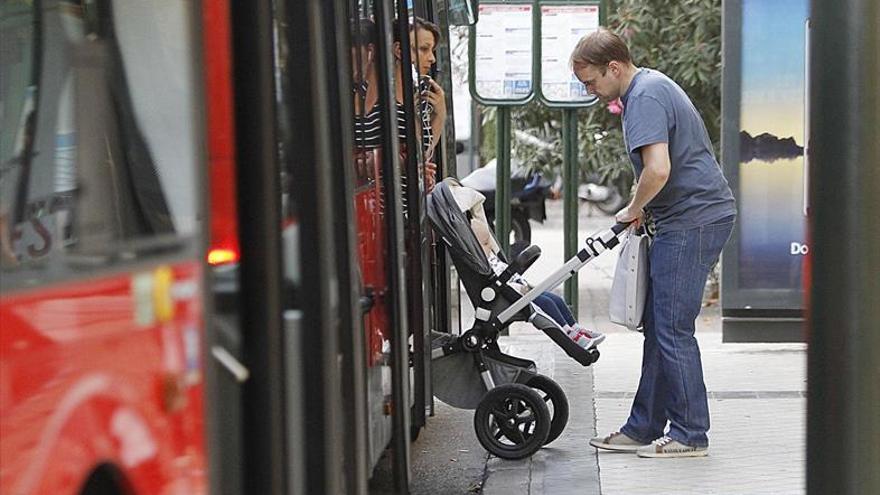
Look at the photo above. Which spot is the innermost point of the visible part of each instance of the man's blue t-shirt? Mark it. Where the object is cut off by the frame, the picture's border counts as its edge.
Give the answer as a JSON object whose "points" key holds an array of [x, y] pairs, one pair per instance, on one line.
{"points": [[657, 110]]}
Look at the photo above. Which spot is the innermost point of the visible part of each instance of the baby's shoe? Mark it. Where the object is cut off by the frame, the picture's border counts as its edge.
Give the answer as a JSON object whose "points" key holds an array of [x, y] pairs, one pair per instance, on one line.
{"points": [[583, 339], [595, 337]]}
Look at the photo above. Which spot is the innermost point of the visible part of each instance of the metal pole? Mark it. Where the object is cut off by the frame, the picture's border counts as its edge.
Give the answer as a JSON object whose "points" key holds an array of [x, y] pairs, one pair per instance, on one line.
{"points": [[502, 179], [843, 425], [351, 330], [259, 220], [473, 146], [400, 382], [570, 200]]}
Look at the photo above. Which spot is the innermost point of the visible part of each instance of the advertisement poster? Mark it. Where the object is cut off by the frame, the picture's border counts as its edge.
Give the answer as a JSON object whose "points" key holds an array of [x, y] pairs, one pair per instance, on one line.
{"points": [[772, 225], [561, 28], [503, 58]]}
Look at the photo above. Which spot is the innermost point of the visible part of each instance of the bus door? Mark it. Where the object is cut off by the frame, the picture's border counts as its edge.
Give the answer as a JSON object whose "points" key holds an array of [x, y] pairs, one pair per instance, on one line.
{"points": [[304, 403], [417, 141], [101, 237], [371, 233], [378, 157], [434, 266]]}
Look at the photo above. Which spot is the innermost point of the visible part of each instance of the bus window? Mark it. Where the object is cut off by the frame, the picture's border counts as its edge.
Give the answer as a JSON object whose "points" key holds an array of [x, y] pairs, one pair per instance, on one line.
{"points": [[17, 99], [462, 12], [99, 154]]}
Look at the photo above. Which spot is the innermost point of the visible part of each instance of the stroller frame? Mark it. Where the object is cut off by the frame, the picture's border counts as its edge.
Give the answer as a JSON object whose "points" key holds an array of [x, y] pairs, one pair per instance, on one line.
{"points": [[507, 382]]}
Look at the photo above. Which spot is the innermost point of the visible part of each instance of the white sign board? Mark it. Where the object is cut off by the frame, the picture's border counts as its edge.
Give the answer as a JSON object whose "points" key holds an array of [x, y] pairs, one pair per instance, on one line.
{"points": [[562, 26], [503, 55]]}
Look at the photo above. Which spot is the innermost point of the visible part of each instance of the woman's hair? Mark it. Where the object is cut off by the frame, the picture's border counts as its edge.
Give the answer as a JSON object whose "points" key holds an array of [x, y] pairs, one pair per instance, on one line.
{"points": [[419, 23], [599, 48], [365, 34]]}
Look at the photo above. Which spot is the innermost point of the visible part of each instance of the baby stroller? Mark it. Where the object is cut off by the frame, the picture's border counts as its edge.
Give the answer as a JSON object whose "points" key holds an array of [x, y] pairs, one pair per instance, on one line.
{"points": [[513, 402]]}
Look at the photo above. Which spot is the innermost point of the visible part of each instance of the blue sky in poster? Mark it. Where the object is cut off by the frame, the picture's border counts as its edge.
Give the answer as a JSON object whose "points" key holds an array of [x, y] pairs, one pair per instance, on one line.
{"points": [[773, 67]]}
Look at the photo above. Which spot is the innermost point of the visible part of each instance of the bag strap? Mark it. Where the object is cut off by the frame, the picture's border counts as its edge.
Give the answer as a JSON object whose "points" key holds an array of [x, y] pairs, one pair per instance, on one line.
{"points": [[632, 286]]}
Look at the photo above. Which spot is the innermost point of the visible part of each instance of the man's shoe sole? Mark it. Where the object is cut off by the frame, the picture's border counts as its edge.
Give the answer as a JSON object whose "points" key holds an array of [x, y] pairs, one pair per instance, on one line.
{"points": [[616, 448], [689, 453]]}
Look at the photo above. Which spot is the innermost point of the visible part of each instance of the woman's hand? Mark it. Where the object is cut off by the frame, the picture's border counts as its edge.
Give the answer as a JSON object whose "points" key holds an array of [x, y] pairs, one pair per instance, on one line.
{"points": [[430, 176]]}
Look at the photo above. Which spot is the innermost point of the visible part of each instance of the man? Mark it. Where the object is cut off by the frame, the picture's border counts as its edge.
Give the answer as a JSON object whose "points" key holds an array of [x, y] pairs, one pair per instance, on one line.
{"points": [[681, 184]]}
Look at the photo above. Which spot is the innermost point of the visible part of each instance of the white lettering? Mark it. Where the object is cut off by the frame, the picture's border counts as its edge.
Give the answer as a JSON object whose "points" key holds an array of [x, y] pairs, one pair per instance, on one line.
{"points": [[799, 249]]}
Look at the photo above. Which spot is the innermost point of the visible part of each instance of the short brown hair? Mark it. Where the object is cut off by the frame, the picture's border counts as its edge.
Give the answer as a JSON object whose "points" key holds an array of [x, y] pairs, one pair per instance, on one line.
{"points": [[599, 48]]}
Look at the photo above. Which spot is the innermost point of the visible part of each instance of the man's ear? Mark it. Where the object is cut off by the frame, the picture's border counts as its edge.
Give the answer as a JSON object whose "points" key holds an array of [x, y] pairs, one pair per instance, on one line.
{"points": [[615, 67], [395, 48]]}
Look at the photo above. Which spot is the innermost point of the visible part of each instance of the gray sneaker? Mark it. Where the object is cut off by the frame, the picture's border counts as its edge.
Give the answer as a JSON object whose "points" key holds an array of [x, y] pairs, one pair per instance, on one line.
{"points": [[616, 441], [667, 447]]}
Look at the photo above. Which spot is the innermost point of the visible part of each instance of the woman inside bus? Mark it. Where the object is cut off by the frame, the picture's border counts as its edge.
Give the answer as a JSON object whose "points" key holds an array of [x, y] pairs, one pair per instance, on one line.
{"points": [[432, 107], [423, 39], [424, 36]]}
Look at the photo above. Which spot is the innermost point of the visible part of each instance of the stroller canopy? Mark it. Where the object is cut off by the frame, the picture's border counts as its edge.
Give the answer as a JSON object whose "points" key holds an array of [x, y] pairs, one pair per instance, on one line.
{"points": [[453, 225]]}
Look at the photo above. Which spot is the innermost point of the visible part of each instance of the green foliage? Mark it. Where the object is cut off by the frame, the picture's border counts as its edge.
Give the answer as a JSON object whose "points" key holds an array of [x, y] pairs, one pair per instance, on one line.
{"points": [[681, 38]]}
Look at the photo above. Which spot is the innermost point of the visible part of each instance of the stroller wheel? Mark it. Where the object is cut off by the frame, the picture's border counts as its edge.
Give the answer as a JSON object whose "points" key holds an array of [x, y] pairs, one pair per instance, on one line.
{"points": [[512, 421], [556, 401]]}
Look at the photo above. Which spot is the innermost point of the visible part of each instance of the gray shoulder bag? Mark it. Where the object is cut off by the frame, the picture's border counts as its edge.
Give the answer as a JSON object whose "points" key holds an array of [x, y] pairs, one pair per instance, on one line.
{"points": [[630, 287]]}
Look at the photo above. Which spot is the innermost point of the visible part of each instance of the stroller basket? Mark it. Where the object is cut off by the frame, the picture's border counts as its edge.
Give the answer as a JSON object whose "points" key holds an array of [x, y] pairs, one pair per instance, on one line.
{"points": [[456, 386]]}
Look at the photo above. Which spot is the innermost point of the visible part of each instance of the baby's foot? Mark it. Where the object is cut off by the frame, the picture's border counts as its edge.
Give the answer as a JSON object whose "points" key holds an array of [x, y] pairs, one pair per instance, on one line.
{"points": [[592, 338]]}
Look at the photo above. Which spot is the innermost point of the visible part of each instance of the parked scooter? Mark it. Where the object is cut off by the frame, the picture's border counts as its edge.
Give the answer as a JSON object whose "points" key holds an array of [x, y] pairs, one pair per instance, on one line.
{"points": [[528, 194], [609, 198]]}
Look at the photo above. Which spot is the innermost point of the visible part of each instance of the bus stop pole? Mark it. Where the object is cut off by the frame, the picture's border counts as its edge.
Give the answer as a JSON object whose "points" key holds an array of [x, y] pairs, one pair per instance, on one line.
{"points": [[502, 178], [570, 199], [843, 364]]}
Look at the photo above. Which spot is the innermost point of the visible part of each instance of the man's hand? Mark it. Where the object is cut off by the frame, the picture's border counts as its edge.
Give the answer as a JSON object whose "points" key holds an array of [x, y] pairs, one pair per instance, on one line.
{"points": [[630, 214]]}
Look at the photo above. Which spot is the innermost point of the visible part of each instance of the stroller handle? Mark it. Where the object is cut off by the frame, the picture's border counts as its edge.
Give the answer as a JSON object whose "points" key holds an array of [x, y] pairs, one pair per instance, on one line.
{"points": [[619, 227]]}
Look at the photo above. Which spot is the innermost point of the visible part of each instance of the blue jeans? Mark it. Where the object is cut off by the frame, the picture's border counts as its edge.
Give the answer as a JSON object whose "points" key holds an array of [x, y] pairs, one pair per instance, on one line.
{"points": [[555, 308], [671, 387]]}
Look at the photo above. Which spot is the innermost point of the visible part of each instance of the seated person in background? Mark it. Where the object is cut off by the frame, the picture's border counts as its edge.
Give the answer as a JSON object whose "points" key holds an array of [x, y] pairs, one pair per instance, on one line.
{"points": [[551, 304]]}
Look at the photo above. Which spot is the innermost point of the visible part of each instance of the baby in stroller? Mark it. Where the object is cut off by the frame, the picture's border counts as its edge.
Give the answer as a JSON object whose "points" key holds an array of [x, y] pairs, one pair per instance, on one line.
{"points": [[548, 302], [517, 409]]}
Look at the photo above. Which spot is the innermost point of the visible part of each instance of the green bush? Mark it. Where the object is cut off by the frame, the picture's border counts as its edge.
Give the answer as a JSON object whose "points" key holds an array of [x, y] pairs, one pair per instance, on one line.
{"points": [[681, 38]]}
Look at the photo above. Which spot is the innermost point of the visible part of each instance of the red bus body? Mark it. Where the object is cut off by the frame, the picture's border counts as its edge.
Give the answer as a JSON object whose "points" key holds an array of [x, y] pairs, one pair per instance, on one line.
{"points": [[83, 383], [371, 245]]}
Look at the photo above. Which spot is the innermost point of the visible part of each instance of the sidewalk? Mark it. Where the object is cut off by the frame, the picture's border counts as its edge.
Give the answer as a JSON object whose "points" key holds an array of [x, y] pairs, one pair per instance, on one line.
{"points": [[757, 403]]}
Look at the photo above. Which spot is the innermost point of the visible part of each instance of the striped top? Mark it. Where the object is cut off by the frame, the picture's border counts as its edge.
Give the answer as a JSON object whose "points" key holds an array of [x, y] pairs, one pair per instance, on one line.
{"points": [[368, 134], [368, 128]]}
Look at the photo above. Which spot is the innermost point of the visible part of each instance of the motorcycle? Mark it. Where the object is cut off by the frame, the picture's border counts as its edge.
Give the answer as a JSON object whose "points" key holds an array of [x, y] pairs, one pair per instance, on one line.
{"points": [[528, 194]]}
